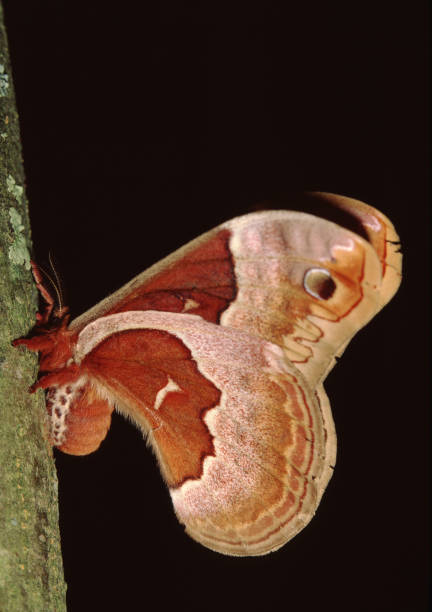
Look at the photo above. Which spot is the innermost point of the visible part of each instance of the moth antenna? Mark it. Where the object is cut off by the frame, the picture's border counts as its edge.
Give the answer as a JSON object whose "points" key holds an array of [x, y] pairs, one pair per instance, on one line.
{"points": [[53, 284], [56, 284]]}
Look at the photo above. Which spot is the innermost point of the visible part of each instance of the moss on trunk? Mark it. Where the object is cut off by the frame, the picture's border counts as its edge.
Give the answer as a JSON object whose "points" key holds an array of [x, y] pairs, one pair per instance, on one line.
{"points": [[31, 568]]}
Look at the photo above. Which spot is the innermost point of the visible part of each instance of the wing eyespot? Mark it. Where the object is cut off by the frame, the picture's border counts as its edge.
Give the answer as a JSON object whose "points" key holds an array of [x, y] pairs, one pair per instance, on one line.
{"points": [[319, 283]]}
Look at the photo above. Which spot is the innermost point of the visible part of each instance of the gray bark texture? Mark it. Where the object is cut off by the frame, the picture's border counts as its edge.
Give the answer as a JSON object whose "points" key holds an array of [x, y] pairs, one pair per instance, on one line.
{"points": [[31, 568]]}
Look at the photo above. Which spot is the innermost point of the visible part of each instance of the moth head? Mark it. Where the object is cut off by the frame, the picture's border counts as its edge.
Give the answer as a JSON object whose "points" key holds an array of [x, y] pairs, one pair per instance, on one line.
{"points": [[57, 349], [52, 338]]}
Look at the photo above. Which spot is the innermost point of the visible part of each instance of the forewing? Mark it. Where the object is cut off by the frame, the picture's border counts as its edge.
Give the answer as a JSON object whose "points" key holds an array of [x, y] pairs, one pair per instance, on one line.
{"points": [[297, 280], [196, 279], [308, 285]]}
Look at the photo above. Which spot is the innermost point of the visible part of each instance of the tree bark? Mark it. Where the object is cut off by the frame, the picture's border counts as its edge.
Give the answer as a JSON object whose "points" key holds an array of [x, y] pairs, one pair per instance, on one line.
{"points": [[31, 568]]}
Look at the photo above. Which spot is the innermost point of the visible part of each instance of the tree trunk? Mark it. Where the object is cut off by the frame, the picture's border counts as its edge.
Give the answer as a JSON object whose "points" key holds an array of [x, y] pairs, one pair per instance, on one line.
{"points": [[31, 568]]}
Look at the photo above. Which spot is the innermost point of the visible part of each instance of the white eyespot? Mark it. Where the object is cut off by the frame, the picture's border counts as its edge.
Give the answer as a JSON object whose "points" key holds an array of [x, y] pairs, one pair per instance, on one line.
{"points": [[319, 283]]}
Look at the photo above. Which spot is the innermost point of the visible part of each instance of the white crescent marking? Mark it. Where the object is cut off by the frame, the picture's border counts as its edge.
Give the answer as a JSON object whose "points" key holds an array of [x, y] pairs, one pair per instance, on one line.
{"points": [[162, 393]]}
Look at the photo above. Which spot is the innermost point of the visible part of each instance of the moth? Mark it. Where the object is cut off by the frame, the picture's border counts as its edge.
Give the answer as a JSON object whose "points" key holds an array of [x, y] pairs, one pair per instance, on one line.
{"points": [[218, 354]]}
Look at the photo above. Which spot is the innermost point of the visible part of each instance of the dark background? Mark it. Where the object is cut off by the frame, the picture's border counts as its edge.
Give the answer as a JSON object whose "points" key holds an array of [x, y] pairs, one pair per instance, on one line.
{"points": [[141, 129]]}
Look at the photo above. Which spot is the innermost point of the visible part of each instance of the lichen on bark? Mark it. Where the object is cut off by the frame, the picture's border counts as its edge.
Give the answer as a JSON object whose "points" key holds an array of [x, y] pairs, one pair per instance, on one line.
{"points": [[31, 569]]}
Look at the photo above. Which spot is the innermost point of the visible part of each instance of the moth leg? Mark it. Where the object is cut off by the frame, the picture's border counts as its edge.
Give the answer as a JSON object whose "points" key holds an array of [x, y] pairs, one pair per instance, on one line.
{"points": [[61, 377]]}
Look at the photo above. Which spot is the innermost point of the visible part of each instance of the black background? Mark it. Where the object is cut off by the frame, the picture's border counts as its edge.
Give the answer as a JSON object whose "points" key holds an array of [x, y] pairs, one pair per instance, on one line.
{"points": [[141, 129]]}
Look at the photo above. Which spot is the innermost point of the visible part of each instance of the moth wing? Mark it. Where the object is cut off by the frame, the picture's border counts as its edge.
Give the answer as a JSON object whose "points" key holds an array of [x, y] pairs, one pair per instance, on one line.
{"points": [[196, 279], [241, 439], [297, 280], [307, 284]]}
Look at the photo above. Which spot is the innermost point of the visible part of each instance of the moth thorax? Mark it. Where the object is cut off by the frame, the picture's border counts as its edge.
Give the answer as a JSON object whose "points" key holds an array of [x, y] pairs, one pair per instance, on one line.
{"points": [[59, 400]]}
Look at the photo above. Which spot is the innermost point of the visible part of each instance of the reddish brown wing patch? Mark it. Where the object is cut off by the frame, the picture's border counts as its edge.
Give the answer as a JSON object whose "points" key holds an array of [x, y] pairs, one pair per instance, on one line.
{"points": [[201, 283], [155, 381]]}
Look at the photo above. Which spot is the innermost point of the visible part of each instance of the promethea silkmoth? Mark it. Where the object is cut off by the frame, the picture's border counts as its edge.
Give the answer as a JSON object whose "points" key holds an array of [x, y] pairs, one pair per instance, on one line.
{"points": [[218, 353]]}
